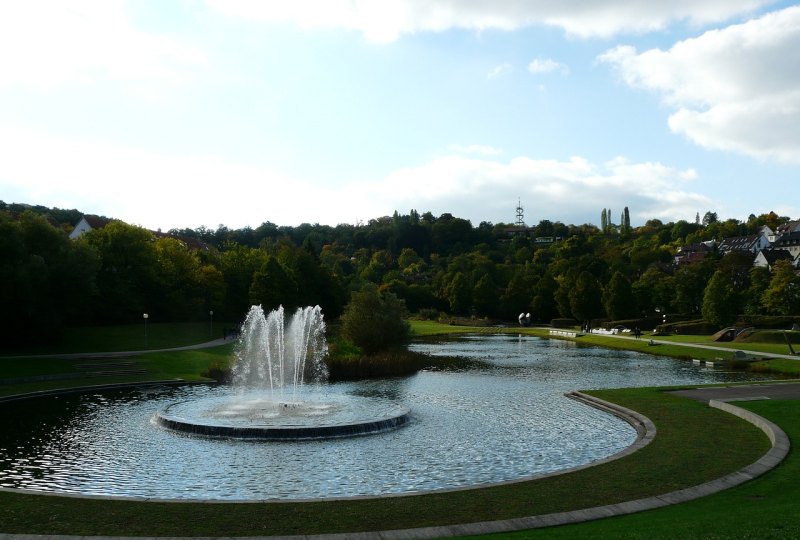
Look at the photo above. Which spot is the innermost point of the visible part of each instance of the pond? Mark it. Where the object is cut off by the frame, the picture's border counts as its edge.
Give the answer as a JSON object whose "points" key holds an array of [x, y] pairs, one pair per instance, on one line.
{"points": [[501, 417]]}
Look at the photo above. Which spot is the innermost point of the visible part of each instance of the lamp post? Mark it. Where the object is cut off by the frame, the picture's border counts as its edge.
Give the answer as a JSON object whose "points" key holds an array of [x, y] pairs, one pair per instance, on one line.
{"points": [[145, 316], [211, 323]]}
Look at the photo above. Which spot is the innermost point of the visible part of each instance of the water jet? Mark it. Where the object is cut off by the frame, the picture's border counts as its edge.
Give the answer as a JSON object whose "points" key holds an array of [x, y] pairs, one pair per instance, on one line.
{"points": [[278, 391]]}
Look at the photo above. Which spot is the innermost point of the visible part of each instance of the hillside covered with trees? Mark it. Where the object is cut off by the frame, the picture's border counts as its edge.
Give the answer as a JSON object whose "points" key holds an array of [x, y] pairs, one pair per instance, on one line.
{"points": [[439, 265]]}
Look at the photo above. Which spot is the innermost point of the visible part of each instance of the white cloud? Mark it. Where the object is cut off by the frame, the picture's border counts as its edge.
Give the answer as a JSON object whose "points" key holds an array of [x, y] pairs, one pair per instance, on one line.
{"points": [[572, 191], [499, 70], [386, 20], [44, 43], [163, 191], [153, 189], [547, 65], [736, 89]]}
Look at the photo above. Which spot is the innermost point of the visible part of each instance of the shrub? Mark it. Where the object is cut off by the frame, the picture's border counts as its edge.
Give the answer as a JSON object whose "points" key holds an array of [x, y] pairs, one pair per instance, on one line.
{"points": [[217, 372], [375, 322], [428, 314], [643, 323], [769, 321], [695, 327], [394, 363], [563, 323]]}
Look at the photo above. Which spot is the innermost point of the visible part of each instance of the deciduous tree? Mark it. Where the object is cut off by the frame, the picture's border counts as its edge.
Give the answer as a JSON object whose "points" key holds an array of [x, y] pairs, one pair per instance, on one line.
{"points": [[374, 321]]}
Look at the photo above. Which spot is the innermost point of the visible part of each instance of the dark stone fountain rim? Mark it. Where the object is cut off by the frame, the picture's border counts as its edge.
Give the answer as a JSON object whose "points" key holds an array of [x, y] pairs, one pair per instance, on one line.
{"points": [[285, 433]]}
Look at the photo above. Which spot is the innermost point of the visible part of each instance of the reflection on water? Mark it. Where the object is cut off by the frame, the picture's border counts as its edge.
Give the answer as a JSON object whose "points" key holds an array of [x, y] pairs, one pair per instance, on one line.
{"points": [[502, 418]]}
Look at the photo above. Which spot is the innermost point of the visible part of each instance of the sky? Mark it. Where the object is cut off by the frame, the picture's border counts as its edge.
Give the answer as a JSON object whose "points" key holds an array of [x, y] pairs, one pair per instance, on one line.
{"points": [[188, 113]]}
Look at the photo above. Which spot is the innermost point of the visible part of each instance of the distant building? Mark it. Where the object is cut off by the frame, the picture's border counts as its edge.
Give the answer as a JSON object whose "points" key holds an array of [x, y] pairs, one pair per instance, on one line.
{"points": [[767, 258], [752, 243], [89, 223], [694, 253], [86, 224], [787, 228], [789, 242]]}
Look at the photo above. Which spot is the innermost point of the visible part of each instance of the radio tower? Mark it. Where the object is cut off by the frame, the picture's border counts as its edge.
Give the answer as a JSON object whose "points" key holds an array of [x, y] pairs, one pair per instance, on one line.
{"points": [[520, 215]]}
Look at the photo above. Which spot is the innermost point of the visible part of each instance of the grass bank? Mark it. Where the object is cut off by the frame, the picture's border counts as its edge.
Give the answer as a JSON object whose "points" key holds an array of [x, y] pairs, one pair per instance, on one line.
{"points": [[126, 337], [765, 508], [694, 444], [23, 375]]}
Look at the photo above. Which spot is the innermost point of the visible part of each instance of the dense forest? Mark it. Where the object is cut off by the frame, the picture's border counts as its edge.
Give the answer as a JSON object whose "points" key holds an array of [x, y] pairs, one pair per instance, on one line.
{"points": [[441, 266]]}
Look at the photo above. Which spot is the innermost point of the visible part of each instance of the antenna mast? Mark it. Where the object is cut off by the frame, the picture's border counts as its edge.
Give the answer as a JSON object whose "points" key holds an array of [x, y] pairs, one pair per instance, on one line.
{"points": [[520, 215]]}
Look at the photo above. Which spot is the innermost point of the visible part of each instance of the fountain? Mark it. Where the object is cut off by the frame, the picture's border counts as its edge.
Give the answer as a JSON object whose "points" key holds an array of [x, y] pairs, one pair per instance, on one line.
{"points": [[278, 391]]}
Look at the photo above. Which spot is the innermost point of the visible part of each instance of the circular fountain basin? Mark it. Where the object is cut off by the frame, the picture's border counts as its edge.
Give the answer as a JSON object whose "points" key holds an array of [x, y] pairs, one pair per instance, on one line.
{"points": [[260, 416]]}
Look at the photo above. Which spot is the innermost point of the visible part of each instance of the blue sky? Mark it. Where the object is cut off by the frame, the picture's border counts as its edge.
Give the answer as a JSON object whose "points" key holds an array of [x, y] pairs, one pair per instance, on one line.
{"points": [[189, 113]]}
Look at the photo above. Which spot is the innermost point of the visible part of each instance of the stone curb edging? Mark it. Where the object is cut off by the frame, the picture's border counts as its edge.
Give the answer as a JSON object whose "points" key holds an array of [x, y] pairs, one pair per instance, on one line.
{"points": [[776, 454], [780, 446]]}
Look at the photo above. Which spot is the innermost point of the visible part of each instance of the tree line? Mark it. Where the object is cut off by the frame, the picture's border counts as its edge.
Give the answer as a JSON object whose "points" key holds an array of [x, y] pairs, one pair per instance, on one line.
{"points": [[435, 264]]}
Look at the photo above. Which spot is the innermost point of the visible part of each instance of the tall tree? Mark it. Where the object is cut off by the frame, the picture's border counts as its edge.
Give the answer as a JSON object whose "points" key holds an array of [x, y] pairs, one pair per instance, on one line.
{"points": [[720, 300], [45, 280], [690, 285], [485, 299], [585, 300], [782, 297], [709, 218], [544, 303], [459, 294], [128, 279], [618, 298], [273, 286], [374, 321], [759, 282], [518, 295]]}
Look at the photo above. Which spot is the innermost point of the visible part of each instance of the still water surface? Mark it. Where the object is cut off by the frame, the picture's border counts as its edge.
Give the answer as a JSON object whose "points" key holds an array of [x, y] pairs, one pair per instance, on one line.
{"points": [[502, 418]]}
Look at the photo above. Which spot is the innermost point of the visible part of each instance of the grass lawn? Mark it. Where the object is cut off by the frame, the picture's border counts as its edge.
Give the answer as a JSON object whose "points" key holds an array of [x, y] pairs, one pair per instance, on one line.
{"points": [[765, 508], [128, 337], [22, 375]]}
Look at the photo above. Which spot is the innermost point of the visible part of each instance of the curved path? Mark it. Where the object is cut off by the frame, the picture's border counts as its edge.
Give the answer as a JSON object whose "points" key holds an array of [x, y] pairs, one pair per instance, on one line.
{"points": [[114, 354]]}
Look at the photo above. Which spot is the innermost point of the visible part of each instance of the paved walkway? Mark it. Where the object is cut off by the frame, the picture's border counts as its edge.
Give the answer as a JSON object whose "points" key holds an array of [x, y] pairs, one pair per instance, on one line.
{"points": [[119, 354], [788, 390], [701, 346]]}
